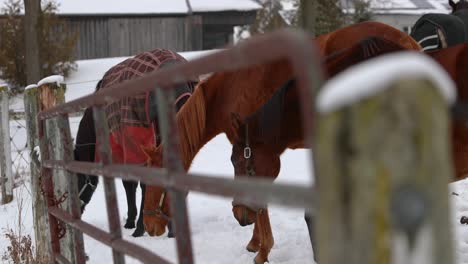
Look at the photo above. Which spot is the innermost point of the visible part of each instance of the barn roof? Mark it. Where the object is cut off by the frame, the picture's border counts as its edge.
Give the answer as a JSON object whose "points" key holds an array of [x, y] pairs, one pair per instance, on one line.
{"points": [[410, 7], [148, 7]]}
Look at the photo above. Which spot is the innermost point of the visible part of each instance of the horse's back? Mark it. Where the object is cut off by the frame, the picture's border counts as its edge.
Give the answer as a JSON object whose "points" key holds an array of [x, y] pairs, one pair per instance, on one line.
{"points": [[435, 31], [350, 35]]}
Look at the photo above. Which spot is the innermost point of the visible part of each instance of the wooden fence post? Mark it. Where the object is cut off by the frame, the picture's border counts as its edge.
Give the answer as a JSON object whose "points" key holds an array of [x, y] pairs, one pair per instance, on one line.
{"points": [[51, 92], [6, 176], [383, 166], [39, 206]]}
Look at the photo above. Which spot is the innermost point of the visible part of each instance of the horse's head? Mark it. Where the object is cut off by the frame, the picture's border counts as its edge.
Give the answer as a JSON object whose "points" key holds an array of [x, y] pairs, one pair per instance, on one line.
{"points": [[458, 5], [156, 210], [250, 156]]}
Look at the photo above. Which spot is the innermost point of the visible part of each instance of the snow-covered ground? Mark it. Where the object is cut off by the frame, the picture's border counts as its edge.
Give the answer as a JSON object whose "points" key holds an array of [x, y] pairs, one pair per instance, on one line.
{"points": [[216, 236]]}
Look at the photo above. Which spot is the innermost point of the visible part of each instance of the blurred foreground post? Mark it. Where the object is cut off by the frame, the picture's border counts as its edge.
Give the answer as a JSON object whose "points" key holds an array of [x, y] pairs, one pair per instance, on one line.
{"points": [[383, 166]]}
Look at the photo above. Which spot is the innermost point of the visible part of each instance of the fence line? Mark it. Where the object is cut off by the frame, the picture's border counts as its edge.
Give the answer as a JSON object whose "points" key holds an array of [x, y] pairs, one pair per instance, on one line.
{"points": [[366, 180], [292, 45]]}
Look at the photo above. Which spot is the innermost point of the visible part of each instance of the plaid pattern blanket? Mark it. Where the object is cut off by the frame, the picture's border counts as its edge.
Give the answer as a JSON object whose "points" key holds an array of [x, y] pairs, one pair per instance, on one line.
{"points": [[129, 119], [132, 110]]}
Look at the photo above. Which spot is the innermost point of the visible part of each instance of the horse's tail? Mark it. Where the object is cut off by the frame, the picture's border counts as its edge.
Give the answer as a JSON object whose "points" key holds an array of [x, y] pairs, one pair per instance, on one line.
{"points": [[191, 121]]}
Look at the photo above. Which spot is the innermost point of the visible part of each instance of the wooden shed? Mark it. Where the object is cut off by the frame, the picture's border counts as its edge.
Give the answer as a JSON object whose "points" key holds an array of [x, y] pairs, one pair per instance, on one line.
{"points": [[114, 28]]}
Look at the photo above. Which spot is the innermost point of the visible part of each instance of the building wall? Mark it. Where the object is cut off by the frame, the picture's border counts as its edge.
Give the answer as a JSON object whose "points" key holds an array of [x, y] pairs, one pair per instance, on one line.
{"points": [[124, 36], [402, 22]]}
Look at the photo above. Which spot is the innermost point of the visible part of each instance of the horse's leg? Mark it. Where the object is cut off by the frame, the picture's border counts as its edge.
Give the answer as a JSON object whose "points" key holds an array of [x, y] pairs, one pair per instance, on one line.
{"points": [[254, 244], [266, 236], [140, 229], [130, 190]]}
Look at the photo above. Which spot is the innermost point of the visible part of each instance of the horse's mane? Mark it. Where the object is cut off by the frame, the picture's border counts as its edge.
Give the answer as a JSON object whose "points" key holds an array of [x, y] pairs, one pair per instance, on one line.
{"points": [[267, 118], [191, 120]]}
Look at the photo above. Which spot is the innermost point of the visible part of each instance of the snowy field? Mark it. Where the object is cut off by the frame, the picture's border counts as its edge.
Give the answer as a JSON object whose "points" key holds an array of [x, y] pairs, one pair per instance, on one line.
{"points": [[216, 236]]}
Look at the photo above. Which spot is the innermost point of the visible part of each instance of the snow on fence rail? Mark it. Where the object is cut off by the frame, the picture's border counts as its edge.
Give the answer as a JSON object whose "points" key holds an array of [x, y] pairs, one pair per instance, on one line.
{"points": [[339, 160]]}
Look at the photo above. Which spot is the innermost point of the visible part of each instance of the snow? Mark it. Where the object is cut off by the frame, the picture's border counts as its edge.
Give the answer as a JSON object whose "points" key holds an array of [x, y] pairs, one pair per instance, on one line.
{"points": [[336, 92], [58, 79], [216, 236], [147, 7], [31, 86], [410, 7]]}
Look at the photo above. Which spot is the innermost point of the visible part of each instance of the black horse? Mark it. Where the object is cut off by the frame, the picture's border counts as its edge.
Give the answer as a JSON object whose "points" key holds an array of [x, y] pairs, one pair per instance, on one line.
{"points": [[85, 146], [436, 31]]}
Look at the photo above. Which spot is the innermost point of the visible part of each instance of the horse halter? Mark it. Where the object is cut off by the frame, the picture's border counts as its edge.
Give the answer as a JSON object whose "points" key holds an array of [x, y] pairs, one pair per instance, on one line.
{"points": [[88, 184], [158, 211], [248, 154]]}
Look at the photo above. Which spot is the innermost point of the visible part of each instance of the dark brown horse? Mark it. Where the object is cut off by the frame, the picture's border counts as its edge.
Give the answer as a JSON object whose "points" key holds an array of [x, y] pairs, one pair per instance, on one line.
{"points": [[208, 112]]}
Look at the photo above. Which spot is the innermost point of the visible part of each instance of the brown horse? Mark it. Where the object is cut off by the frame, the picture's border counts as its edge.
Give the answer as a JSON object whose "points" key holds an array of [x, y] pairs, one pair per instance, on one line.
{"points": [[208, 112], [276, 126]]}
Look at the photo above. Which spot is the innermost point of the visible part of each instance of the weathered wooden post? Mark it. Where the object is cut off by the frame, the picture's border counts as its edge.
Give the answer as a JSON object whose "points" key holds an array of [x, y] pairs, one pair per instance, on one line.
{"points": [[6, 176], [383, 163], [56, 143], [39, 206]]}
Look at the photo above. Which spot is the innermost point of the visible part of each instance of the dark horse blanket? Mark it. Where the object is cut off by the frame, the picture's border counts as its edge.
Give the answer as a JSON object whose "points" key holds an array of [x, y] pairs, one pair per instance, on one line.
{"points": [[436, 31]]}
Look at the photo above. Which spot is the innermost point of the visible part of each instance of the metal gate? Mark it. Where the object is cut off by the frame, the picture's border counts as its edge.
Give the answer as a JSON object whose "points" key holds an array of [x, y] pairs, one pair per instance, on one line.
{"points": [[292, 45]]}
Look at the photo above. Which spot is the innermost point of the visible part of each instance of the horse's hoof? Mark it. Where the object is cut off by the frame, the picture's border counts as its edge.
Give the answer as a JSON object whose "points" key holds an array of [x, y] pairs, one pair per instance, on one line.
{"points": [[258, 260], [129, 224], [138, 232], [170, 235], [252, 249]]}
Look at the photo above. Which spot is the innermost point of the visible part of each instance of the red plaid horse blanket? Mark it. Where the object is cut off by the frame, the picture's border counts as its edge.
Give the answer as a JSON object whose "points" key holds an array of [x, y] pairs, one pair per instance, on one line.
{"points": [[129, 120]]}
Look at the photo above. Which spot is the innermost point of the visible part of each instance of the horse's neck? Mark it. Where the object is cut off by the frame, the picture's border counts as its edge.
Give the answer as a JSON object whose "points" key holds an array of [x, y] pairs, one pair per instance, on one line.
{"points": [[214, 99]]}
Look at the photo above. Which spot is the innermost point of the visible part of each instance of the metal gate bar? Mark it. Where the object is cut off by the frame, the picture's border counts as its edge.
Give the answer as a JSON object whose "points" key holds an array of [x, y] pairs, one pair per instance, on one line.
{"points": [[256, 191]]}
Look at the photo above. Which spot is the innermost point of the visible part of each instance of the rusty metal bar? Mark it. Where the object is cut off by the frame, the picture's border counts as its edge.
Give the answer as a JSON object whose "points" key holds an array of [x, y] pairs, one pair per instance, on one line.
{"points": [[71, 180], [290, 44], [173, 164], [105, 156], [108, 239], [47, 187], [256, 191]]}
